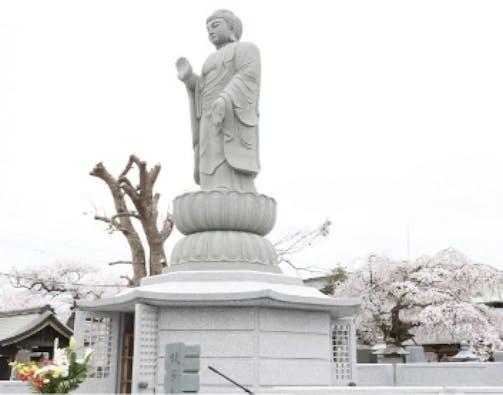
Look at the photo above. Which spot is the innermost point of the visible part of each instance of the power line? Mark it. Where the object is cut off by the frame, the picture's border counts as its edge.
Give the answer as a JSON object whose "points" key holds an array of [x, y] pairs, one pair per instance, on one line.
{"points": [[10, 275], [41, 244]]}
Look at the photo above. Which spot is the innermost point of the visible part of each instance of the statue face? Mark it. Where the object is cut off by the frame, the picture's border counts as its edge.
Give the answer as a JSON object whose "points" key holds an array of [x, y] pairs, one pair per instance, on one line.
{"points": [[219, 32]]}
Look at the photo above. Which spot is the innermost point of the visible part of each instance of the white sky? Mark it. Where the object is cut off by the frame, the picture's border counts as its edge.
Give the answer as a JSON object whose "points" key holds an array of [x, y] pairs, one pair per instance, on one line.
{"points": [[383, 116]]}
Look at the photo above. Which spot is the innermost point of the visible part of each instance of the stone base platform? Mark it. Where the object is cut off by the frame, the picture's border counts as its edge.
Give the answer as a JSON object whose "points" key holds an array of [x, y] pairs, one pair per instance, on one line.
{"points": [[224, 230], [260, 329], [226, 288]]}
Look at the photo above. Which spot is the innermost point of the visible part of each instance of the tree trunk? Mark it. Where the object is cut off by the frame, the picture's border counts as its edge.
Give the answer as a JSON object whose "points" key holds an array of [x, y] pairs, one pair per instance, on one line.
{"points": [[157, 258], [145, 202], [122, 222]]}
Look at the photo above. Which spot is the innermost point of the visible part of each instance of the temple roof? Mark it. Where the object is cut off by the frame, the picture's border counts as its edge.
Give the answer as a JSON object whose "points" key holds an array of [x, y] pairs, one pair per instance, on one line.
{"points": [[16, 325]]}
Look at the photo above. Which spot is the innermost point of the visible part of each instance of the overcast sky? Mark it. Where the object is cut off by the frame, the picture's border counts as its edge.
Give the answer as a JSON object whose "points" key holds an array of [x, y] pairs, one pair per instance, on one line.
{"points": [[383, 116]]}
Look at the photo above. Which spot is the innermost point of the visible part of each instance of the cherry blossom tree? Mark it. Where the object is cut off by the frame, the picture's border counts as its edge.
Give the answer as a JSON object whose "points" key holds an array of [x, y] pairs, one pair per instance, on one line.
{"points": [[15, 299], [61, 284], [400, 298]]}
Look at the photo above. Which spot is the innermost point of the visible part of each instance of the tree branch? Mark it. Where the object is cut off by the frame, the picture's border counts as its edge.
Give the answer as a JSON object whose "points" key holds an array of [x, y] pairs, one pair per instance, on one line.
{"points": [[120, 263], [128, 167], [130, 281], [142, 168], [308, 269], [167, 227], [113, 225], [298, 241], [129, 189], [154, 173]]}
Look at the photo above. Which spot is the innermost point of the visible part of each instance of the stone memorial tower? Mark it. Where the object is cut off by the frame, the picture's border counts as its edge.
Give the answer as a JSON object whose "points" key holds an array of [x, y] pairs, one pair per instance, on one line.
{"points": [[223, 289]]}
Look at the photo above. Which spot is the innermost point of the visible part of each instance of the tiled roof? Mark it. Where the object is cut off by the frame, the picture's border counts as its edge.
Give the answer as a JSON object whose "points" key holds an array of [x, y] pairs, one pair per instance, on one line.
{"points": [[16, 325]]}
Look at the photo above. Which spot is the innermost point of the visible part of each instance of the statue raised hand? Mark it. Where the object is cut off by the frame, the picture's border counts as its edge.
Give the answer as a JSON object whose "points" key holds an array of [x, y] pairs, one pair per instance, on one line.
{"points": [[184, 69]]}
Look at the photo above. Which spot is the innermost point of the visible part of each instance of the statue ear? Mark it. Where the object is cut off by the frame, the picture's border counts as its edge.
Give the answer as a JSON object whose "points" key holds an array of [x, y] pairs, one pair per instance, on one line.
{"points": [[233, 36]]}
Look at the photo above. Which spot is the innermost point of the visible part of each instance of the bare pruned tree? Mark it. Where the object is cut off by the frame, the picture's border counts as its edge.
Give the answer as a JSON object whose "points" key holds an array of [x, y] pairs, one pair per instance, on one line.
{"points": [[142, 207]]}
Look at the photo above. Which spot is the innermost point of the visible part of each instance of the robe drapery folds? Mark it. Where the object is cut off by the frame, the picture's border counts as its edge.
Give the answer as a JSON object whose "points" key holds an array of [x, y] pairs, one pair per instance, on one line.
{"points": [[232, 73]]}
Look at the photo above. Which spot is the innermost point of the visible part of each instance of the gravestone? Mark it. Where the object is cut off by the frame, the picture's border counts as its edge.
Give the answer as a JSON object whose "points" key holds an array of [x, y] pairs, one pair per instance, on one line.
{"points": [[182, 368], [415, 354], [498, 356]]}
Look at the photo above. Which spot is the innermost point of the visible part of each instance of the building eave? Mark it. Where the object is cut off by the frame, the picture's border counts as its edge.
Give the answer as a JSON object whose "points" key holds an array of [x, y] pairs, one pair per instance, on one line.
{"points": [[46, 319], [338, 307]]}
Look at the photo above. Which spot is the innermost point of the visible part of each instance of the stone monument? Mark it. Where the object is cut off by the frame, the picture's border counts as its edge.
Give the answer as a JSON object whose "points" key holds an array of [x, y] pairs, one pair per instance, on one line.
{"points": [[223, 289], [224, 222]]}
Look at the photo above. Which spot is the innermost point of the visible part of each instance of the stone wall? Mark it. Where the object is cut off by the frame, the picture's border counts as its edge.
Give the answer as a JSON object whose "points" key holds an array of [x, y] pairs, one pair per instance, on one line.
{"points": [[431, 374], [257, 347], [437, 390], [375, 374], [17, 387], [14, 387]]}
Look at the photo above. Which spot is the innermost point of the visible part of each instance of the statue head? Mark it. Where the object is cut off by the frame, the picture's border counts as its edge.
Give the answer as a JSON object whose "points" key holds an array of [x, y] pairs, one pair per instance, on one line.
{"points": [[223, 27]]}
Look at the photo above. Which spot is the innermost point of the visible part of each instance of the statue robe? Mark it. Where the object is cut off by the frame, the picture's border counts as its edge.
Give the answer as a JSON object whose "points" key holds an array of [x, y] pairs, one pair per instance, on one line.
{"points": [[232, 73]]}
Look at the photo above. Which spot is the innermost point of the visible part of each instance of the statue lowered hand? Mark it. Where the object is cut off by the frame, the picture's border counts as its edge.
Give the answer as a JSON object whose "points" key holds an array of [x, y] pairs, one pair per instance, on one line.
{"points": [[184, 69], [218, 111]]}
